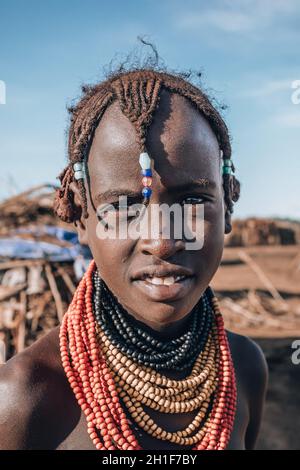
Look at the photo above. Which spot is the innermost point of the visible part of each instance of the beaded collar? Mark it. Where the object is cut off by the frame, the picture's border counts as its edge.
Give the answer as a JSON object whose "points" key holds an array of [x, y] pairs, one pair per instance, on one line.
{"points": [[101, 375]]}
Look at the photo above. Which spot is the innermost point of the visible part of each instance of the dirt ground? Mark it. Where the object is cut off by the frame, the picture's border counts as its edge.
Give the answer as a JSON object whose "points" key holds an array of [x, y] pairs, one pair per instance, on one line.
{"points": [[281, 424], [274, 331], [280, 263], [267, 294]]}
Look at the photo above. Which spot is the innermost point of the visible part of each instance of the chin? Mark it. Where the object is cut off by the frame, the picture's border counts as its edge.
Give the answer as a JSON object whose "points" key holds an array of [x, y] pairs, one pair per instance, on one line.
{"points": [[161, 315]]}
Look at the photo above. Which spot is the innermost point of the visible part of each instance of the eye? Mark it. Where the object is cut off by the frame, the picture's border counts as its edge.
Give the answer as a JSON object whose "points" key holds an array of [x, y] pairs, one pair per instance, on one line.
{"points": [[127, 211], [104, 223], [193, 200]]}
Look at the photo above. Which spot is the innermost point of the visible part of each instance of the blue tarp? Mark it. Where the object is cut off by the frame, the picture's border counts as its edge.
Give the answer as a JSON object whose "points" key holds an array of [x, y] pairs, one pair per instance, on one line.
{"points": [[57, 232], [29, 249], [15, 247]]}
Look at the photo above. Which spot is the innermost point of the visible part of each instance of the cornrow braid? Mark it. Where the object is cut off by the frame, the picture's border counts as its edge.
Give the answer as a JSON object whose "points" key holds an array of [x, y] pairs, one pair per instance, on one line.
{"points": [[138, 94], [138, 98], [203, 105]]}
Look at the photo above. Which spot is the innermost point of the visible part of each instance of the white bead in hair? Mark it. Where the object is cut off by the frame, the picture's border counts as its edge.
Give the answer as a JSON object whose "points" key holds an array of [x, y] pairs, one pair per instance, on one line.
{"points": [[79, 172], [78, 166], [78, 175], [145, 161]]}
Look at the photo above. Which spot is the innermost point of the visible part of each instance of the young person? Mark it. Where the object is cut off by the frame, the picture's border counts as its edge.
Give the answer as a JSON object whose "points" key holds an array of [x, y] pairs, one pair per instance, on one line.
{"points": [[141, 360]]}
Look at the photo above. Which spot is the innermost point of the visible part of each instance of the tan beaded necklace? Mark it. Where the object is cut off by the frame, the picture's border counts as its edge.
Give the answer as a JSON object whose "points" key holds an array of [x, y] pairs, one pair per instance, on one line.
{"points": [[138, 386]]}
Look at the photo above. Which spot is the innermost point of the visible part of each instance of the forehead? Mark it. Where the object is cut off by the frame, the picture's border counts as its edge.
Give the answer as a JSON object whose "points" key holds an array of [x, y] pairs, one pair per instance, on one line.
{"points": [[179, 140]]}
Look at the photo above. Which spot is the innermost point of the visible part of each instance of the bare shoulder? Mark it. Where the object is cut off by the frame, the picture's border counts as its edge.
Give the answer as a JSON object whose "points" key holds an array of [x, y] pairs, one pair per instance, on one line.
{"points": [[252, 378], [32, 385], [248, 358]]}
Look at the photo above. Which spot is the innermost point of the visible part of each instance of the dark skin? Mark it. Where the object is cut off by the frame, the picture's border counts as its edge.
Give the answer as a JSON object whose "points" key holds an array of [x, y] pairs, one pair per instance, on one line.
{"points": [[37, 407]]}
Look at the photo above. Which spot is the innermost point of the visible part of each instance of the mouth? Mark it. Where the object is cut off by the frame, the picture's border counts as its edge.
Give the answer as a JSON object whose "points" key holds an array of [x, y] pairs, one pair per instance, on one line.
{"points": [[164, 281], [164, 284]]}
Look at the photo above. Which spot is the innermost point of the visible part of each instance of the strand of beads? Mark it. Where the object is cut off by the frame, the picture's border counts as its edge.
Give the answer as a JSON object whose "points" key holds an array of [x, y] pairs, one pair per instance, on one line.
{"points": [[141, 345], [135, 391], [134, 387], [128, 391], [89, 376], [129, 329], [145, 164], [153, 381], [185, 396], [96, 389], [180, 437], [224, 407]]}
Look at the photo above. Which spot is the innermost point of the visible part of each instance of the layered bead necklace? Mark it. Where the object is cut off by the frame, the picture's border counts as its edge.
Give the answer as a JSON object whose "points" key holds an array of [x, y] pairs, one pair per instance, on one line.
{"points": [[109, 357], [133, 341]]}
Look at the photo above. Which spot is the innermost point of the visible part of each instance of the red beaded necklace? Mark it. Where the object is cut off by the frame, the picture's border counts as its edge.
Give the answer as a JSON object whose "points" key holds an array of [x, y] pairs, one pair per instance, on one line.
{"points": [[95, 390]]}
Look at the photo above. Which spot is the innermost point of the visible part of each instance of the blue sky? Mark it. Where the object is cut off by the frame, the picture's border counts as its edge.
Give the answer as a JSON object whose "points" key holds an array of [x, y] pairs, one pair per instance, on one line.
{"points": [[247, 50]]}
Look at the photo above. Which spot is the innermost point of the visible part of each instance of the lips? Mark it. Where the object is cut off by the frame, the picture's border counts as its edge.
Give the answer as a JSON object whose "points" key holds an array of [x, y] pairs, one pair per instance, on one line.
{"points": [[164, 283], [162, 272]]}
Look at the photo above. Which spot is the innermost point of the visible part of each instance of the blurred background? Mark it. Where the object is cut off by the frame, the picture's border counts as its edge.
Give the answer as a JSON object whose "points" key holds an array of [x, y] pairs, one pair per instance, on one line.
{"points": [[247, 54]]}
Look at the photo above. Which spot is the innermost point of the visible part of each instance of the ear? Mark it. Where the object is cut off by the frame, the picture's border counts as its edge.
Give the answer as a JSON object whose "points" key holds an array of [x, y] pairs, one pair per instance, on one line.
{"points": [[80, 223], [234, 190], [228, 226]]}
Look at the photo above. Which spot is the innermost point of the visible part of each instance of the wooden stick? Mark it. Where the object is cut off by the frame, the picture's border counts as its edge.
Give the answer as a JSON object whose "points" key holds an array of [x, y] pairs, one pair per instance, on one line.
{"points": [[20, 263], [254, 300], [24, 194], [11, 291], [43, 300], [67, 279], [11, 322], [21, 331], [253, 317], [2, 351], [261, 275], [55, 291]]}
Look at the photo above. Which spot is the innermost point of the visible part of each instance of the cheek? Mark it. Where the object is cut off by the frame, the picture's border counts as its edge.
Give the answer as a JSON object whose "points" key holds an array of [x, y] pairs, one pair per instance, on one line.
{"points": [[214, 239], [111, 257], [214, 226], [213, 232], [214, 216]]}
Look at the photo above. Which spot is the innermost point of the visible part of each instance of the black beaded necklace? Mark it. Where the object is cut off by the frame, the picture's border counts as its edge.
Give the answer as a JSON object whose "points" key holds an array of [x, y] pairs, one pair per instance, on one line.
{"points": [[138, 342]]}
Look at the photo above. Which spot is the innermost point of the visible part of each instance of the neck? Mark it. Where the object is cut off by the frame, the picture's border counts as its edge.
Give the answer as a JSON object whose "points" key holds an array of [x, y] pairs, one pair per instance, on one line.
{"points": [[162, 332]]}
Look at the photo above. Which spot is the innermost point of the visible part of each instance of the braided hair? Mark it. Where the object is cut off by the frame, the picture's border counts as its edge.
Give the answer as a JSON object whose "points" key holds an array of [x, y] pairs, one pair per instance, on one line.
{"points": [[138, 93]]}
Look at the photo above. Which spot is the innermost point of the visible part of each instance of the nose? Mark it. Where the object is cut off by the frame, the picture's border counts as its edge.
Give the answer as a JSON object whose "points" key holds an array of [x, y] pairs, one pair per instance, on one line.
{"points": [[161, 241], [161, 247], [158, 234]]}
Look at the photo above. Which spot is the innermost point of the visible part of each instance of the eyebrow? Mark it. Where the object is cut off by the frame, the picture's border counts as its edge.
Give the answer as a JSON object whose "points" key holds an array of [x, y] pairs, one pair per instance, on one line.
{"points": [[188, 186]]}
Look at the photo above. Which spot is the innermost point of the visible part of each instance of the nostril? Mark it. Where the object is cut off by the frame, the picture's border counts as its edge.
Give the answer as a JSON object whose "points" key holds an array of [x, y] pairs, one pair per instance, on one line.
{"points": [[162, 248]]}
